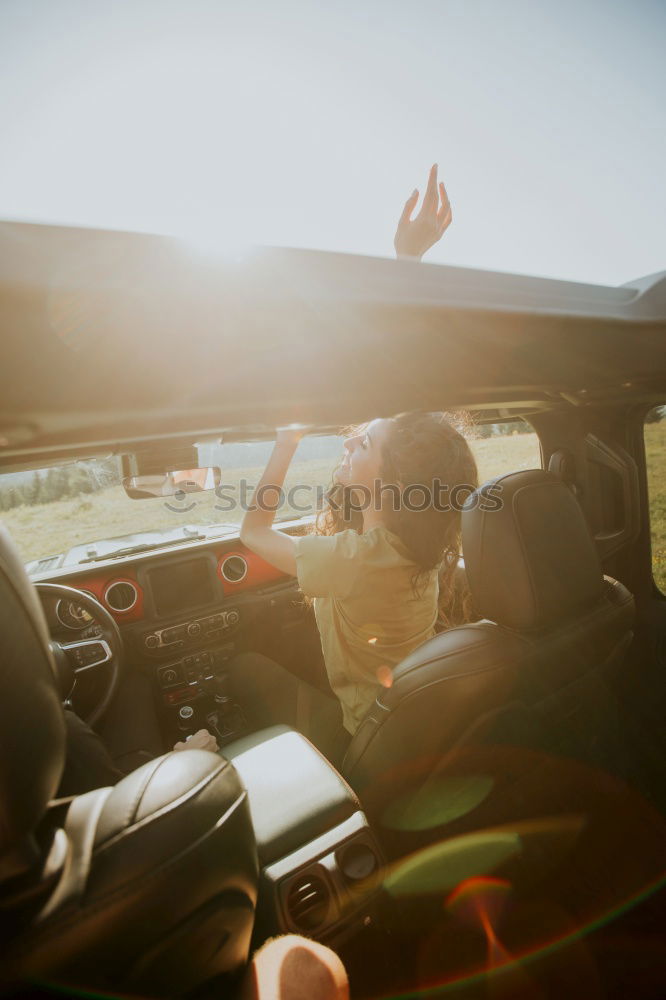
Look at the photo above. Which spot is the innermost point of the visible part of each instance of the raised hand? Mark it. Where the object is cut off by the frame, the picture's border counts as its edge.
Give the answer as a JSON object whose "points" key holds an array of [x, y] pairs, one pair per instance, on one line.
{"points": [[290, 436], [414, 236]]}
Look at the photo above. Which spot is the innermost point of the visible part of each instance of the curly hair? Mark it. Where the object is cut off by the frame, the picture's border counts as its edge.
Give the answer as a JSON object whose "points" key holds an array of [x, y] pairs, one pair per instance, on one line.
{"points": [[421, 450]]}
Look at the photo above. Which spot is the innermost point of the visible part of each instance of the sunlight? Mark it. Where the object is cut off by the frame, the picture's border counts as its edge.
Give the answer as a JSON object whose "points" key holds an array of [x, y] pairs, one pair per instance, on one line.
{"points": [[213, 245], [252, 123]]}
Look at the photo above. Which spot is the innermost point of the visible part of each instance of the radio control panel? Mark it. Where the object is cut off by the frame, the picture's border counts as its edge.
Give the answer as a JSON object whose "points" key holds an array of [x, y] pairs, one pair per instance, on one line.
{"points": [[181, 681], [187, 633]]}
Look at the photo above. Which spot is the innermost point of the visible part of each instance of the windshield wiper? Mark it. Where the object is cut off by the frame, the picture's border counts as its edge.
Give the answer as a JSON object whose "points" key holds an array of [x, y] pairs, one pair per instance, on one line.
{"points": [[143, 547]]}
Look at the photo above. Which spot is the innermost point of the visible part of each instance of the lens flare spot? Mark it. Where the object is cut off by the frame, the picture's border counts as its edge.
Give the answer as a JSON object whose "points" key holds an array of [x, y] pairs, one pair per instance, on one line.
{"points": [[471, 894], [373, 640], [385, 676], [479, 901], [443, 866], [438, 801]]}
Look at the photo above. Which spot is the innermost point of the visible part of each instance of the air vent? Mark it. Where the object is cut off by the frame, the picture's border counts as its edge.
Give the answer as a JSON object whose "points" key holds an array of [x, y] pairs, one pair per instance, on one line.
{"points": [[233, 569], [308, 902], [121, 596]]}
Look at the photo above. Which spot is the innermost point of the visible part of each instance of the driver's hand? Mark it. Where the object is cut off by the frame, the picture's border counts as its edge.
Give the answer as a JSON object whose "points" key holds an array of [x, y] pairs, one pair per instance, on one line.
{"points": [[203, 740]]}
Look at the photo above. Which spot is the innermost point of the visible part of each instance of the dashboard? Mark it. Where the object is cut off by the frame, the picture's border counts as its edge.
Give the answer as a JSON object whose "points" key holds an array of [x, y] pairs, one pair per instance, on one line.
{"points": [[158, 585], [183, 612]]}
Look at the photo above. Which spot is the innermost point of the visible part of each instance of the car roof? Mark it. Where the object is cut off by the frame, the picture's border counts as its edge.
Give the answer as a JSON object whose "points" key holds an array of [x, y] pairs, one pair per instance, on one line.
{"points": [[114, 340]]}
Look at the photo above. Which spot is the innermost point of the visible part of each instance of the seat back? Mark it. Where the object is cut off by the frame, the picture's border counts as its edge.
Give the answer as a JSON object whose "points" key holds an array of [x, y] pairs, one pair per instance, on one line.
{"points": [[149, 886], [32, 724], [549, 618], [154, 887]]}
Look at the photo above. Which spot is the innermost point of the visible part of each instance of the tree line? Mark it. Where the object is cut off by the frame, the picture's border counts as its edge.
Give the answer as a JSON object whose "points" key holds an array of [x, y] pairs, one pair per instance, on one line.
{"points": [[62, 482]]}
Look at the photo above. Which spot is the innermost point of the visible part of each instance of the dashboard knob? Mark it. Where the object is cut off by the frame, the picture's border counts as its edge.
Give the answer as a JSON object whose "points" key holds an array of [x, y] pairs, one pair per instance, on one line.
{"points": [[151, 641], [194, 629], [232, 618]]}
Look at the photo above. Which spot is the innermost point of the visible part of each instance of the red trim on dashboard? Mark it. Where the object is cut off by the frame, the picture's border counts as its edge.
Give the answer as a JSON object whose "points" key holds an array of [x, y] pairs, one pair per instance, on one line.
{"points": [[97, 585], [258, 571]]}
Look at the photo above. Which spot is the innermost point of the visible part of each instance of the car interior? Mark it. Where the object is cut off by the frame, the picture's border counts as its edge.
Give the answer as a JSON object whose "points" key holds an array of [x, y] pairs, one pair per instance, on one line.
{"points": [[497, 824]]}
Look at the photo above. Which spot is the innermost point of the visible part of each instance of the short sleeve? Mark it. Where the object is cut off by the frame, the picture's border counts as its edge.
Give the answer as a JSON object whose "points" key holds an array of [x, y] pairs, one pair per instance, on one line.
{"points": [[327, 565]]}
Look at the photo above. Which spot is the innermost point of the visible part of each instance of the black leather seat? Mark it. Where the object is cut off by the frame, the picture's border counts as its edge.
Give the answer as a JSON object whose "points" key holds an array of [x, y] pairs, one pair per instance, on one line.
{"points": [[551, 623], [148, 886]]}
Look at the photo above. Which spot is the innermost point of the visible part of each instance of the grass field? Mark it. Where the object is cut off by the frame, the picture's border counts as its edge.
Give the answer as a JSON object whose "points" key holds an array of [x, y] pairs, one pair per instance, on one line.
{"points": [[46, 529], [655, 448]]}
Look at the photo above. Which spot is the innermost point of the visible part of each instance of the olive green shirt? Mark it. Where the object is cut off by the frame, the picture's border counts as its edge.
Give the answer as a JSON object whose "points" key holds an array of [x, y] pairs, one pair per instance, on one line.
{"points": [[366, 612]]}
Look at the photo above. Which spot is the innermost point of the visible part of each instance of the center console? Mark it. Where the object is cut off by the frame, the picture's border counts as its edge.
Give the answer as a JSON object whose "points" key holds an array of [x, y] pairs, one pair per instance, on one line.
{"points": [[320, 863], [194, 689], [188, 653]]}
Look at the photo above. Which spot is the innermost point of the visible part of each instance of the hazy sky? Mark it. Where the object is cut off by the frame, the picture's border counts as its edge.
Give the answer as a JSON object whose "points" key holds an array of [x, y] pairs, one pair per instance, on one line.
{"points": [[309, 123]]}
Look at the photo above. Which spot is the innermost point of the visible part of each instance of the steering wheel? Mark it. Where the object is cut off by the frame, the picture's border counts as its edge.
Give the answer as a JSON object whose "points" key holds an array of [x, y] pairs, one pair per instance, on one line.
{"points": [[74, 658]]}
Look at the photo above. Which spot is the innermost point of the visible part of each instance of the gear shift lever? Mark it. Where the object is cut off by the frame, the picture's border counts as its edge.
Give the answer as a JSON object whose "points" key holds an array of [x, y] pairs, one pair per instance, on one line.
{"points": [[185, 720], [226, 719], [218, 687], [221, 691]]}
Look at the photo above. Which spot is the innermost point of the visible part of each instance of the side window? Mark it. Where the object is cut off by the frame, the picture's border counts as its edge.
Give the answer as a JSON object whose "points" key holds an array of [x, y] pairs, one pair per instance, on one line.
{"points": [[504, 447], [655, 455]]}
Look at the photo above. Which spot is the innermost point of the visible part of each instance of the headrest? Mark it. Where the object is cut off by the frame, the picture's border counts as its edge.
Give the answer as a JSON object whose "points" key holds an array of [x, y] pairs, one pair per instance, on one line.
{"points": [[32, 725], [530, 558]]}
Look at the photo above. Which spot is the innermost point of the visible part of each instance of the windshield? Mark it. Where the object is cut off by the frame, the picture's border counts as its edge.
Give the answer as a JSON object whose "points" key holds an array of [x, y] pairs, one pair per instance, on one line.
{"points": [[48, 511], [79, 512]]}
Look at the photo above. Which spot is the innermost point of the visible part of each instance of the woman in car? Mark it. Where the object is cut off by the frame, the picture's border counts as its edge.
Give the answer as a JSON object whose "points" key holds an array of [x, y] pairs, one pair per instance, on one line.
{"points": [[89, 764], [372, 565], [387, 540]]}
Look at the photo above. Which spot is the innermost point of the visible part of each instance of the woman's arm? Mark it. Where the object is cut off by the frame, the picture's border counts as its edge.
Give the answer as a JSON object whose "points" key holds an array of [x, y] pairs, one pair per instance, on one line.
{"points": [[257, 531]]}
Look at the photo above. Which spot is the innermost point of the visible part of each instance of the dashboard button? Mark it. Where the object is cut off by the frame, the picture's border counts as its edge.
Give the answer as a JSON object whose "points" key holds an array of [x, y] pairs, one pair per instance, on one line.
{"points": [[151, 641], [173, 634], [177, 695], [232, 617], [194, 629]]}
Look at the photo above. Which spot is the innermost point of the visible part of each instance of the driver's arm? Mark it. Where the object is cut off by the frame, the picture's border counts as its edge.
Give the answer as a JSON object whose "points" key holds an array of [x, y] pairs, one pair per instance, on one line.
{"points": [[88, 763]]}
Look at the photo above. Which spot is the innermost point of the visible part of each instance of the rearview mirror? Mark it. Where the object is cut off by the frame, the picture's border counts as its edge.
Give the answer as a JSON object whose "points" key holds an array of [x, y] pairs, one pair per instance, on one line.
{"points": [[169, 484]]}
